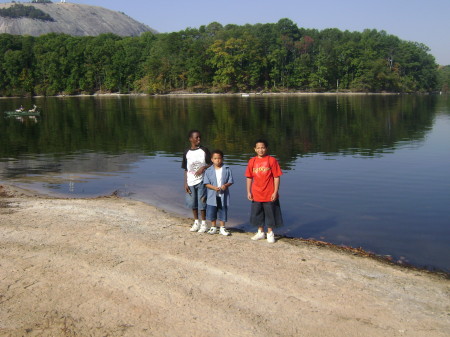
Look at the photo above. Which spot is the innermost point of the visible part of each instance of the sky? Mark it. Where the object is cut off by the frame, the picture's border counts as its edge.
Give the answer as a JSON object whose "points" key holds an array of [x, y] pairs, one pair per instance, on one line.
{"points": [[420, 21]]}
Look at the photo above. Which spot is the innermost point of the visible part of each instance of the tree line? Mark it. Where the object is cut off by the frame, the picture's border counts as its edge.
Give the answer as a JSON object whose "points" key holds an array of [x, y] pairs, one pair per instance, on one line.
{"points": [[270, 57]]}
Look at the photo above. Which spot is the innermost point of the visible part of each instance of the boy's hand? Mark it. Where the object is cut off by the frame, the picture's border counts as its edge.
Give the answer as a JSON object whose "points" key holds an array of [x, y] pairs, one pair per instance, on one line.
{"points": [[274, 196], [187, 189], [224, 187], [200, 171], [250, 196]]}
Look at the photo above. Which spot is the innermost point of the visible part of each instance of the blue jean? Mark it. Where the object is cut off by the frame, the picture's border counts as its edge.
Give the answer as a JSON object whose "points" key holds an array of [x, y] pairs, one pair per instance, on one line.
{"points": [[197, 198], [216, 212]]}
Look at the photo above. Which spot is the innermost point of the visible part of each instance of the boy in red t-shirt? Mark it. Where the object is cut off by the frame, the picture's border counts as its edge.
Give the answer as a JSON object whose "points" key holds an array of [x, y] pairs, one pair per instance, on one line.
{"points": [[263, 182]]}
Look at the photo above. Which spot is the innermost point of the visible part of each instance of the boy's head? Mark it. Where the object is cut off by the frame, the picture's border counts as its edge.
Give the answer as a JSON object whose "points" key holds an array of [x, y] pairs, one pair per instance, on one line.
{"points": [[217, 158], [261, 147], [266, 144], [194, 138]]}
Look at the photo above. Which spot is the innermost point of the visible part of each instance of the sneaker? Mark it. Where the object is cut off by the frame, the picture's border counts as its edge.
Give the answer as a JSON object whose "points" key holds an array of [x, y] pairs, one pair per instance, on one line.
{"points": [[270, 237], [258, 236], [203, 228], [223, 231], [212, 230], [195, 227]]}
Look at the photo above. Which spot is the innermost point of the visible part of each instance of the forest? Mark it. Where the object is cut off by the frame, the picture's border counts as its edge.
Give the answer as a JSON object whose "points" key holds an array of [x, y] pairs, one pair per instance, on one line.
{"points": [[270, 57]]}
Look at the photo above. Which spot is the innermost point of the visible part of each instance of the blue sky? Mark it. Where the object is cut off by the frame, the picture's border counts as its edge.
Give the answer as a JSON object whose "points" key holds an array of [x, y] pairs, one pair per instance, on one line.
{"points": [[426, 22]]}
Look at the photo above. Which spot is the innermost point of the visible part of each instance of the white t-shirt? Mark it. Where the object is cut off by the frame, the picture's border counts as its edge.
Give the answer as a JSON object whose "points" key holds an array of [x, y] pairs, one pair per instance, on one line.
{"points": [[194, 159], [219, 179]]}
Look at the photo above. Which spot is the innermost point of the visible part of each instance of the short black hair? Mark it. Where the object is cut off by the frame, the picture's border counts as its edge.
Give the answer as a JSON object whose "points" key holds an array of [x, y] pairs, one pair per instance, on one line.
{"points": [[266, 144], [217, 152], [192, 132]]}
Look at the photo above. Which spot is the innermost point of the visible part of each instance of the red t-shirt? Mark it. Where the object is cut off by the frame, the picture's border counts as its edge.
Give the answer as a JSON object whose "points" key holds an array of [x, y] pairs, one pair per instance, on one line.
{"points": [[263, 171]]}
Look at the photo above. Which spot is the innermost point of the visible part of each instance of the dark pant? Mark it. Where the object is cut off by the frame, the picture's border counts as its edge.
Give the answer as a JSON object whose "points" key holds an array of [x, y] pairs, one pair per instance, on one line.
{"points": [[266, 214]]}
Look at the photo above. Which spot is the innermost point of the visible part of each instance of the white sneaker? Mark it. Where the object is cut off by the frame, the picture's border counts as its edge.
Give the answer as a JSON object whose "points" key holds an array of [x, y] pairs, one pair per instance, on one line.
{"points": [[212, 230], [195, 227], [270, 237], [203, 228], [258, 236], [223, 231]]}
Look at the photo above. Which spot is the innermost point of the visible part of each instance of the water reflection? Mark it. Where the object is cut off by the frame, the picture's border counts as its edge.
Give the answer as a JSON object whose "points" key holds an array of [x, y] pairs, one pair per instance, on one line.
{"points": [[364, 170], [295, 125], [81, 163]]}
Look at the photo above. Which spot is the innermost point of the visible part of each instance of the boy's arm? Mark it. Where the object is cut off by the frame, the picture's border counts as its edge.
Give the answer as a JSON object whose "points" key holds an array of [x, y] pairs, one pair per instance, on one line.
{"points": [[249, 189], [225, 186], [186, 186], [212, 187], [184, 160], [184, 166], [201, 170], [276, 185], [207, 182], [208, 162], [229, 181]]}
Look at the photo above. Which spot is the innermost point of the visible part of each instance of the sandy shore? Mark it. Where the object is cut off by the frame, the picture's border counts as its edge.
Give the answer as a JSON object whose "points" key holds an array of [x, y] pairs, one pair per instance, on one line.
{"points": [[114, 267]]}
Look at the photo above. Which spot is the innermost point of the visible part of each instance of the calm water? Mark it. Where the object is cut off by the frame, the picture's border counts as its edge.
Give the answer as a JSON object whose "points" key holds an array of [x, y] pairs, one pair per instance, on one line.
{"points": [[364, 171]]}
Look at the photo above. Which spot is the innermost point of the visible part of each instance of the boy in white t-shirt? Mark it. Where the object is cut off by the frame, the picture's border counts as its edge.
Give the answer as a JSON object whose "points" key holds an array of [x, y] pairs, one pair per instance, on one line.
{"points": [[196, 160]]}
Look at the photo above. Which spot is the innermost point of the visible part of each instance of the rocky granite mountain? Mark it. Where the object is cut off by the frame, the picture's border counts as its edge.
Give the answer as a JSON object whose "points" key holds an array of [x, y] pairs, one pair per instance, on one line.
{"points": [[72, 19]]}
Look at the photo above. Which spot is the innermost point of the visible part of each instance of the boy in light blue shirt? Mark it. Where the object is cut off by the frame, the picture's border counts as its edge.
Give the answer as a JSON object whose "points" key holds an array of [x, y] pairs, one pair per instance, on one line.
{"points": [[217, 179]]}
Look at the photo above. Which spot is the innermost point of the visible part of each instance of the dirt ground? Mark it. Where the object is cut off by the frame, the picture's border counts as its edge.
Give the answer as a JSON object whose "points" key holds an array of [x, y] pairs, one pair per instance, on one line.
{"points": [[115, 267]]}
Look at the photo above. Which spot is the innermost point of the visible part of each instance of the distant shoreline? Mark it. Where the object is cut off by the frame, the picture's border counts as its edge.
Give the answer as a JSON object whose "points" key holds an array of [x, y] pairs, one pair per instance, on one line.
{"points": [[242, 94]]}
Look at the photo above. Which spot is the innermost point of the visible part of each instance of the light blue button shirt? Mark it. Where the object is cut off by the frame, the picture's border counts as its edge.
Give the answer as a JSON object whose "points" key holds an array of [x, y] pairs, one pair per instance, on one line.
{"points": [[210, 178]]}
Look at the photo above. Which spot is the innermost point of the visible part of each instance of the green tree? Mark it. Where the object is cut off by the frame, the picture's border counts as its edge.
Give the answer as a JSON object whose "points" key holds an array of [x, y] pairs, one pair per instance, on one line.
{"points": [[444, 79], [235, 62], [272, 56]]}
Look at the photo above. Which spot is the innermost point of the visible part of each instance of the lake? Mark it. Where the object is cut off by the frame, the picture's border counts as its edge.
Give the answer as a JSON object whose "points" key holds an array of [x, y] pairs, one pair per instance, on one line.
{"points": [[368, 171]]}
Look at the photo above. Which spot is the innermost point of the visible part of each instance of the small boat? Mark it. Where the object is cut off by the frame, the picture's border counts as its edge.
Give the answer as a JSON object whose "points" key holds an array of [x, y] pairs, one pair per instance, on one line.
{"points": [[22, 112], [245, 95]]}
